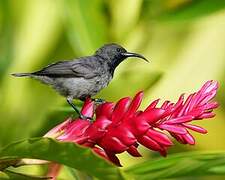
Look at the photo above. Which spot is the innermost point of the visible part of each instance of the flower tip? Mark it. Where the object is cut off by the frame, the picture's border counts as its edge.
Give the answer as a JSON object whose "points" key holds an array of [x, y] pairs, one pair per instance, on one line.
{"points": [[140, 92], [139, 96], [210, 86], [55, 131], [133, 151], [88, 108], [214, 84], [136, 102], [163, 153]]}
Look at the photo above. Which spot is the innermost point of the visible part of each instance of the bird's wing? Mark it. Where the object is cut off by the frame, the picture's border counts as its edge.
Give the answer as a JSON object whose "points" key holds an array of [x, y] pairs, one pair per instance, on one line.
{"points": [[79, 68]]}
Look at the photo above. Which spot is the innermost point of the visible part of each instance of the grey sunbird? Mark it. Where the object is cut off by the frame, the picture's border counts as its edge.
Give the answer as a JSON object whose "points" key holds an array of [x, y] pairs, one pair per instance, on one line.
{"points": [[85, 76]]}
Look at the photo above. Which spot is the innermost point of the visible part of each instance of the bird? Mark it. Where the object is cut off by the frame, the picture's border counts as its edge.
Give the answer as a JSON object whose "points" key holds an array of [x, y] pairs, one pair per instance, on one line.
{"points": [[83, 77]]}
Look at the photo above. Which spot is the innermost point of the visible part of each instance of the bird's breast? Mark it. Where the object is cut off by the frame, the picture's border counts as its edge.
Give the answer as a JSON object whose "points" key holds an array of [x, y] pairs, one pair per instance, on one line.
{"points": [[101, 82], [81, 87]]}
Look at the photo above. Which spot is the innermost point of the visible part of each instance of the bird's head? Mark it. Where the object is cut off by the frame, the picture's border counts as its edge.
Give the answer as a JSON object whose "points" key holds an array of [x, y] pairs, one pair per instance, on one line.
{"points": [[115, 54]]}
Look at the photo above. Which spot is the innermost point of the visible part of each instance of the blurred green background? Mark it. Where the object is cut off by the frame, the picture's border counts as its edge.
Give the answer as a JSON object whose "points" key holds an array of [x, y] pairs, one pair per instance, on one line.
{"points": [[183, 39]]}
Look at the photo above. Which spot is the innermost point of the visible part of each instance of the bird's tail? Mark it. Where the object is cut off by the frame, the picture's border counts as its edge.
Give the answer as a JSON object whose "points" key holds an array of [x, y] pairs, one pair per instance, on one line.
{"points": [[21, 74]]}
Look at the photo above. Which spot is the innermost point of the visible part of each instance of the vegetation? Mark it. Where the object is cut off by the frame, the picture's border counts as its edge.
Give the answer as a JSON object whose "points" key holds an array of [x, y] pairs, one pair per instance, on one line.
{"points": [[183, 39]]}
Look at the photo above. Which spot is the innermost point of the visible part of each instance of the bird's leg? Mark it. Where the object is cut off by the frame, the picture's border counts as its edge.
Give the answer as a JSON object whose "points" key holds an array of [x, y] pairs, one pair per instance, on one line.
{"points": [[70, 102]]}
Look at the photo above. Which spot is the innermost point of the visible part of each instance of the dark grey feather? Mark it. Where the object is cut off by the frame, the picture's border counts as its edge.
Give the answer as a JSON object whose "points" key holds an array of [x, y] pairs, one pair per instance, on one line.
{"points": [[83, 67]]}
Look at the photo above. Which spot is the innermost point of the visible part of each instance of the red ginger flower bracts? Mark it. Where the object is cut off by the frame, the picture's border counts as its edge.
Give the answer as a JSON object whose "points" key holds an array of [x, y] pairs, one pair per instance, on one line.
{"points": [[120, 126]]}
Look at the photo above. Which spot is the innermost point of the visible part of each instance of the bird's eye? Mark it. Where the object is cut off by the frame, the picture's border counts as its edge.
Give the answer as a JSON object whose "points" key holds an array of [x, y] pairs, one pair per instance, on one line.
{"points": [[118, 50]]}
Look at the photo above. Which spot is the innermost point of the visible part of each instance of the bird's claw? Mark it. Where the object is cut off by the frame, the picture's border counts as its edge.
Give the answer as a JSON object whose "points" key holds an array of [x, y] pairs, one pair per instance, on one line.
{"points": [[81, 116], [99, 101]]}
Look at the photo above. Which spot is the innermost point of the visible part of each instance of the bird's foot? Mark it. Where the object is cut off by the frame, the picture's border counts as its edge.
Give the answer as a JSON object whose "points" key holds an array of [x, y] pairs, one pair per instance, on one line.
{"points": [[81, 116], [99, 101]]}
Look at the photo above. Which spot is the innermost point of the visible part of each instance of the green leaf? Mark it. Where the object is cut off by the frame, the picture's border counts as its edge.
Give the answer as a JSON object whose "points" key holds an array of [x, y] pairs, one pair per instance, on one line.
{"points": [[3, 175], [64, 153], [189, 10], [182, 10], [190, 164], [123, 25], [27, 20], [85, 24], [6, 36], [20, 176]]}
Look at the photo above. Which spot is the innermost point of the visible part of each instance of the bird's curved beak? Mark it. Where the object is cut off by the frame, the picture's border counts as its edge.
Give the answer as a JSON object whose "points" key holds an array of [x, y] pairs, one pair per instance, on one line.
{"points": [[130, 54]]}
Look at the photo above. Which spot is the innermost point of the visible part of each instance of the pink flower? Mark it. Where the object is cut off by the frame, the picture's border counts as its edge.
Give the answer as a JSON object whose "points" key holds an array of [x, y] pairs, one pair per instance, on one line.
{"points": [[120, 126]]}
